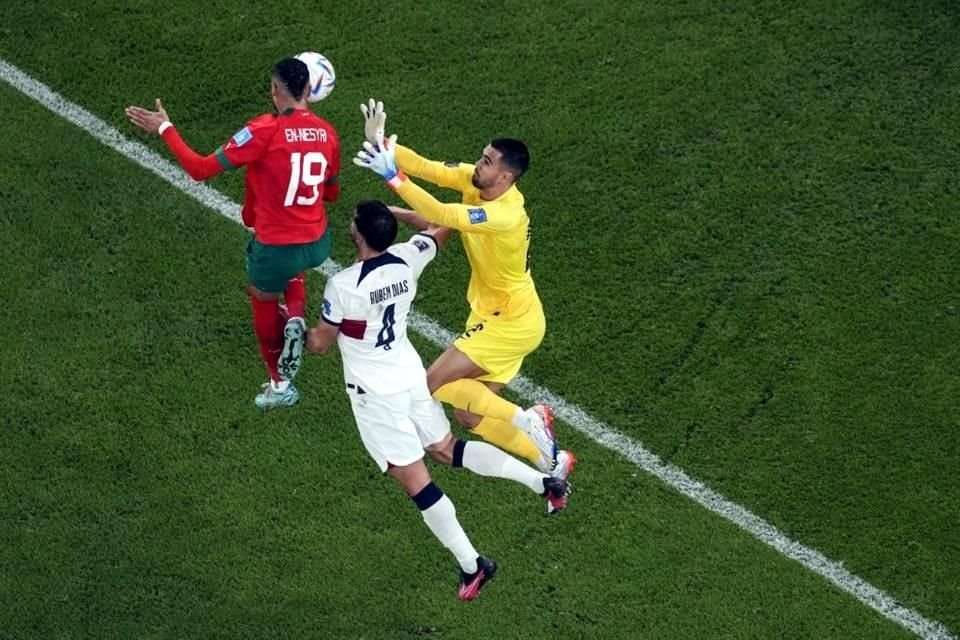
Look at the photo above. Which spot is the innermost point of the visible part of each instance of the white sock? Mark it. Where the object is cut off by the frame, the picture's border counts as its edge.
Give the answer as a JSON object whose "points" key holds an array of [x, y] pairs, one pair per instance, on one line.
{"points": [[279, 386], [521, 420], [545, 464], [486, 460], [441, 518]]}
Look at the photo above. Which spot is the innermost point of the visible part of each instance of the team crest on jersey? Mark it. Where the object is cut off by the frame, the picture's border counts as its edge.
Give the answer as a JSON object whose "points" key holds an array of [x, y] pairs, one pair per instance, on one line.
{"points": [[326, 307], [477, 215], [421, 245], [242, 137]]}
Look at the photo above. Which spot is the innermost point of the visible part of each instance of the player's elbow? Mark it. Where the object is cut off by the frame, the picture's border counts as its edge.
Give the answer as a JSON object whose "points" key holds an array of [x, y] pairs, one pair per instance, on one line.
{"points": [[201, 169], [315, 344], [318, 348], [197, 175], [331, 191], [441, 235]]}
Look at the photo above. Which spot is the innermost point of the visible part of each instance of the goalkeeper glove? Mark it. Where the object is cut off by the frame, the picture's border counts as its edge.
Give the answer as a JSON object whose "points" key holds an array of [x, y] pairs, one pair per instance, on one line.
{"points": [[374, 120], [381, 159]]}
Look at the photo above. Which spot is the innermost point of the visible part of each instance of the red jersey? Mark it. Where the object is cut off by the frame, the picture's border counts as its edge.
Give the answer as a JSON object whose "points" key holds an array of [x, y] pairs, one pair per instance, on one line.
{"points": [[293, 163]]}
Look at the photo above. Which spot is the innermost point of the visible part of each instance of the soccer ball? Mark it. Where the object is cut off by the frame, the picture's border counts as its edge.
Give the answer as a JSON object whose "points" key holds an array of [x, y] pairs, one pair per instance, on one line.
{"points": [[322, 76]]}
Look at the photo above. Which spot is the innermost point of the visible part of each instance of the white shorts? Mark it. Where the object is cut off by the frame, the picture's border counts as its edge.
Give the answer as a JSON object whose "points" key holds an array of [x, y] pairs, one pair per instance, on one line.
{"points": [[396, 428]]}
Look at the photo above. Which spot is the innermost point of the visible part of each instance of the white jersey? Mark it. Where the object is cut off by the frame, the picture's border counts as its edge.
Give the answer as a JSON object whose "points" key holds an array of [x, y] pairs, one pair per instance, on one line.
{"points": [[370, 302]]}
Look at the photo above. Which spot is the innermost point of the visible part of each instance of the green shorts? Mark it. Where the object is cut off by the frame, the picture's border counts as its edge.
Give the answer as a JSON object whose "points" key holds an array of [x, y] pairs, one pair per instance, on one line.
{"points": [[271, 266]]}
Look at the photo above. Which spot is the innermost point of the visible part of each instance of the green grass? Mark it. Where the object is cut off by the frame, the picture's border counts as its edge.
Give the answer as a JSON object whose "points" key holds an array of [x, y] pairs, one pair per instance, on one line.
{"points": [[744, 239]]}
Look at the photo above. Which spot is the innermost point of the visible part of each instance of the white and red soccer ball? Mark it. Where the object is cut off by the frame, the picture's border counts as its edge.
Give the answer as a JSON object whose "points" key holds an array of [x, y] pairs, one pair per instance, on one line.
{"points": [[322, 76]]}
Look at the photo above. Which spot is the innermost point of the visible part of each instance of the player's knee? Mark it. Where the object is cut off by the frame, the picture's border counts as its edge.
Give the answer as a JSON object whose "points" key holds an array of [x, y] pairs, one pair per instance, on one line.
{"points": [[441, 455], [466, 419], [434, 381], [442, 451]]}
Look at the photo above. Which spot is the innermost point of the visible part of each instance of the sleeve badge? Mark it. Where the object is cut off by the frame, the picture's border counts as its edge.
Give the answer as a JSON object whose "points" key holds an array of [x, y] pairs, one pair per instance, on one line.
{"points": [[242, 137]]}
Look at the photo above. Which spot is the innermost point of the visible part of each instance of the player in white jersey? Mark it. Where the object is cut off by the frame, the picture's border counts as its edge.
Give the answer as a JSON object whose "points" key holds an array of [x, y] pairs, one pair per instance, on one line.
{"points": [[365, 311]]}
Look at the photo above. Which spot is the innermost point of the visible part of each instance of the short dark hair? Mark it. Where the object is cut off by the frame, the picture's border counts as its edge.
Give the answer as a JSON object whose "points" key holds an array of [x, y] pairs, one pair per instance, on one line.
{"points": [[376, 224], [514, 154], [294, 75]]}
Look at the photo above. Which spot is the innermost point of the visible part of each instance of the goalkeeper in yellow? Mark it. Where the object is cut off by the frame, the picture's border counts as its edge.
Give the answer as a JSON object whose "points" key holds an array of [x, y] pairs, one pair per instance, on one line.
{"points": [[506, 318]]}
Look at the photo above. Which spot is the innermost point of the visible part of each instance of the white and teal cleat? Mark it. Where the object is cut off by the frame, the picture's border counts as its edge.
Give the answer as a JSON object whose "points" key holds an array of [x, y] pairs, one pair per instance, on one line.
{"points": [[273, 398], [291, 357]]}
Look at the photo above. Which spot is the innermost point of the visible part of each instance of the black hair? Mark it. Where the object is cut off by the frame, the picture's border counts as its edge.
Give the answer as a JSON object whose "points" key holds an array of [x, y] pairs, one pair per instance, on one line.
{"points": [[294, 75], [514, 154], [376, 224]]}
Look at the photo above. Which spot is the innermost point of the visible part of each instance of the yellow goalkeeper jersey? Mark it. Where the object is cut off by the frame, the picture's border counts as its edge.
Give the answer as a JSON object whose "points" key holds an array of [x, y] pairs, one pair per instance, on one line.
{"points": [[495, 233]]}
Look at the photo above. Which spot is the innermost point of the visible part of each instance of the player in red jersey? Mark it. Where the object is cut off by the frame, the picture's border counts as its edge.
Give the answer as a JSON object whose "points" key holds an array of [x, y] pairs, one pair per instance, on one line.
{"points": [[293, 163]]}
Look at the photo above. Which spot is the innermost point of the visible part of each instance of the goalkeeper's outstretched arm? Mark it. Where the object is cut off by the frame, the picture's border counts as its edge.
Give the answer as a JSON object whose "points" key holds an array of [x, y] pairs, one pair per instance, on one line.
{"points": [[380, 157], [439, 173]]}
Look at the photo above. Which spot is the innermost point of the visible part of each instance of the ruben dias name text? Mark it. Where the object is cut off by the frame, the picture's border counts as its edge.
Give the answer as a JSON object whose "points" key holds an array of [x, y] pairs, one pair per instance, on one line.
{"points": [[385, 293]]}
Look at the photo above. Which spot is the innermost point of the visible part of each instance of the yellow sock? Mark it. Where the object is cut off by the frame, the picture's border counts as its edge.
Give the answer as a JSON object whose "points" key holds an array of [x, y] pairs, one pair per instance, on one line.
{"points": [[476, 397], [509, 438]]}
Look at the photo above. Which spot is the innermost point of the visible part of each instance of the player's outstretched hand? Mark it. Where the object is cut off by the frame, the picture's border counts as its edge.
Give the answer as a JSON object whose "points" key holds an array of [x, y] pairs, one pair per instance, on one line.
{"points": [[379, 157], [147, 120], [374, 120]]}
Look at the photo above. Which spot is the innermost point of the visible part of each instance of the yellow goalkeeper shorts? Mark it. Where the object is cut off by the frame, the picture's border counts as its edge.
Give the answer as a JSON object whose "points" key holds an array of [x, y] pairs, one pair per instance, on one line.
{"points": [[498, 344]]}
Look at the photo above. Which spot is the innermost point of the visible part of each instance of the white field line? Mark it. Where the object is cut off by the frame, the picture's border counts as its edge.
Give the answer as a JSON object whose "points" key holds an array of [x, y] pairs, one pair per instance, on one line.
{"points": [[569, 413]]}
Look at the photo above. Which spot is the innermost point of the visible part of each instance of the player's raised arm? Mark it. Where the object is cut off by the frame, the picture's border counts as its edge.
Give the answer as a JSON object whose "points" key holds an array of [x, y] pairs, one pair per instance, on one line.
{"points": [[440, 234], [410, 217], [380, 158], [462, 217], [197, 166], [448, 176]]}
